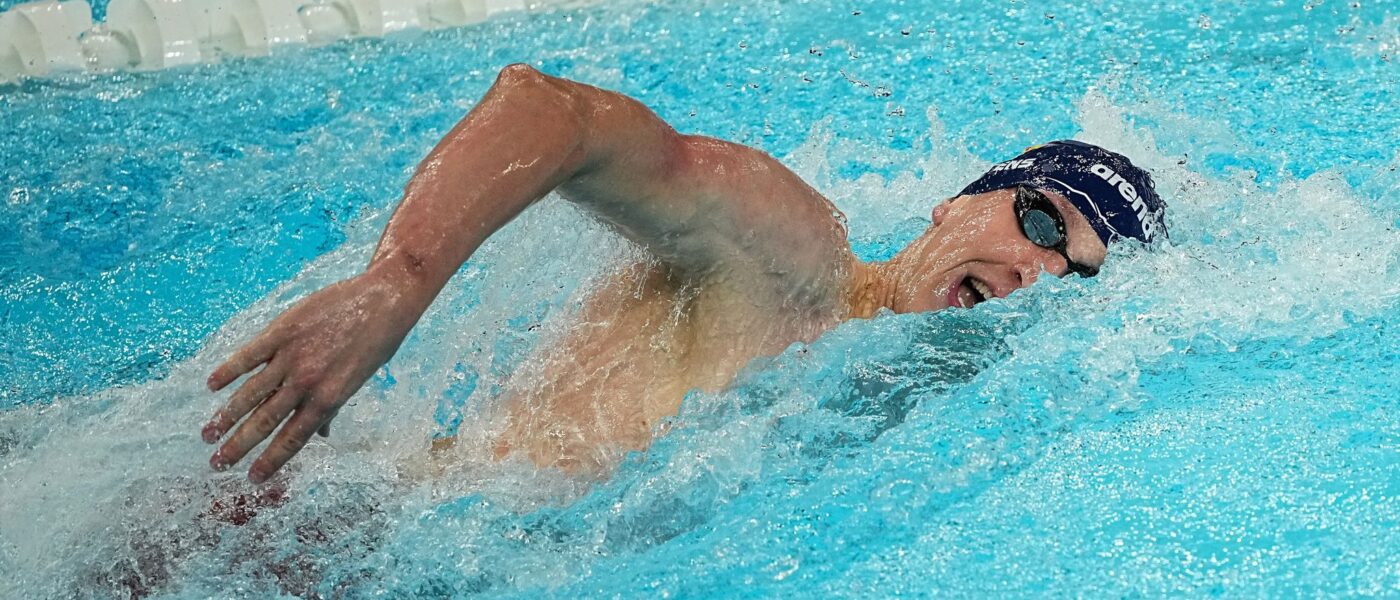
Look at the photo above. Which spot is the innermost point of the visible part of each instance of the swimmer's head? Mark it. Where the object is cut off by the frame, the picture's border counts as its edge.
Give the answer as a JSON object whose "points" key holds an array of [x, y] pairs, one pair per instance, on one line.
{"points": [[1053, 209], [1118, 198]]}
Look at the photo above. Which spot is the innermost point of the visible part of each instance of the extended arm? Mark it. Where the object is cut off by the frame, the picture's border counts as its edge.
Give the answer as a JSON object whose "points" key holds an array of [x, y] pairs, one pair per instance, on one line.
{"points": [[528, 135], [687, 199], [694, 202]]}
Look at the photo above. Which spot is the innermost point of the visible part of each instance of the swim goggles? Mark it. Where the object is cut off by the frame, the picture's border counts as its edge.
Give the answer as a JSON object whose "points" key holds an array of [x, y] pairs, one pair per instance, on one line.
{"points": [[1044, 226]]}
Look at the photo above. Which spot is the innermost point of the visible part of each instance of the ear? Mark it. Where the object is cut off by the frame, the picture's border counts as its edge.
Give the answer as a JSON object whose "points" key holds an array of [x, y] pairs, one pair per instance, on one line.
{"points": [[940, 212]]}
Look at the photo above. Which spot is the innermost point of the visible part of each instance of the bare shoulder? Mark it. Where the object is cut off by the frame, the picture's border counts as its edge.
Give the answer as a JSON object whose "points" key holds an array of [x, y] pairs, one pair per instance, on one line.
{"points": [[762, 219], [700, 205]]}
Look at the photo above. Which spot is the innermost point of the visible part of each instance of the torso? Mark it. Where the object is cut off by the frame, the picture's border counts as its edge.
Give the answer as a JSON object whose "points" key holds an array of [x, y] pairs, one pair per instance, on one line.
{"points": [[642, 342], [755, 259]]}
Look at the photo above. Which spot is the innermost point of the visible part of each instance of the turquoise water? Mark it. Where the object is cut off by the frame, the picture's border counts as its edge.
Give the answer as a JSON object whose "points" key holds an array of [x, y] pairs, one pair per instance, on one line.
{"points": [[1216, 418]]}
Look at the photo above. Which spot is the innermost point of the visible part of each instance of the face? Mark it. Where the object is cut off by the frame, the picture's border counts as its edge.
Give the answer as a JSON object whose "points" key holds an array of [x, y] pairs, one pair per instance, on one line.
{"points": [[975, 250]]}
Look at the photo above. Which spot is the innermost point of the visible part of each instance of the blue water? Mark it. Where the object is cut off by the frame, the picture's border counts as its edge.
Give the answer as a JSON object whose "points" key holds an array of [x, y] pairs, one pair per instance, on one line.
{"points": [[1218, 418]]}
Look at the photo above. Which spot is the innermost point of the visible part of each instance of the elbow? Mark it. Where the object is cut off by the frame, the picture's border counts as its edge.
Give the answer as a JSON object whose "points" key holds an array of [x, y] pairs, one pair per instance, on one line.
{"points": [[519, 74], [520, 78], [525, 84]]}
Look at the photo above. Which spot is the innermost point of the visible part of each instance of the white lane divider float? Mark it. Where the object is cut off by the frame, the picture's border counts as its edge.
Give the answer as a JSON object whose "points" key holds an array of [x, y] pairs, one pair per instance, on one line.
{"points": [[48, 37], [250, 27], [157, 33], [40, 38]]}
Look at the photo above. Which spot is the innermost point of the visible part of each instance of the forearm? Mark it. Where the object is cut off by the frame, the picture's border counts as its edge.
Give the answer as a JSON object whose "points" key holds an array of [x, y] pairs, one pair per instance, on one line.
{"points": [[520, 142]]}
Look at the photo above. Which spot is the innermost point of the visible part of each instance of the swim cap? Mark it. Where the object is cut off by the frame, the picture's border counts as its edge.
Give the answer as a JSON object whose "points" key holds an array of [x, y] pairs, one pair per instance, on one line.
{"points": [[1118, 199]]}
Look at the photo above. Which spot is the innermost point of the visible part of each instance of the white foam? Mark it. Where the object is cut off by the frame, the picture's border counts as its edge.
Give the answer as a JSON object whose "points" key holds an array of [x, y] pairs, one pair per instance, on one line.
{"points": [[1301, 258]]}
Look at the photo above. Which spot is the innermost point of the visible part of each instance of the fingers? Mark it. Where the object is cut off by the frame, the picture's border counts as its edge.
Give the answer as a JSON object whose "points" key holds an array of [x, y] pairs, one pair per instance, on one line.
{"points": [[258, 426], [253, 391], [244, 360], [290, 440], [325, 430]]}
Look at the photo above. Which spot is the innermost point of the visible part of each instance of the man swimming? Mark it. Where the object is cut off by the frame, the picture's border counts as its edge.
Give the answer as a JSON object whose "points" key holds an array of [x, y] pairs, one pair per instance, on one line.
{"points": [[746, 259]]}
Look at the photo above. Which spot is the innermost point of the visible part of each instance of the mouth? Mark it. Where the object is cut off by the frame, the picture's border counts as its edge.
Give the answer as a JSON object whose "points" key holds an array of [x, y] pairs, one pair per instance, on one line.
{"points": [[968, 293]]}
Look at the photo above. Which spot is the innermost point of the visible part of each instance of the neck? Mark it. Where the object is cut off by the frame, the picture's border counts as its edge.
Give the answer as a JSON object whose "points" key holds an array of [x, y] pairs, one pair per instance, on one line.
{"points": [[872, 288]]}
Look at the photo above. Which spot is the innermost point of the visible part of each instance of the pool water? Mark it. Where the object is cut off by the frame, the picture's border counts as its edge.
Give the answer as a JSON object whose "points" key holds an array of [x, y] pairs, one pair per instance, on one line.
{"points": [[1215, 418]]}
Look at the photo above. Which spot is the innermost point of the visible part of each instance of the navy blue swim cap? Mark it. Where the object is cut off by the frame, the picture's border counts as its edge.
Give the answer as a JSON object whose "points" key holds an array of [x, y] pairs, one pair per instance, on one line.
{"points": [[1118, 199]]}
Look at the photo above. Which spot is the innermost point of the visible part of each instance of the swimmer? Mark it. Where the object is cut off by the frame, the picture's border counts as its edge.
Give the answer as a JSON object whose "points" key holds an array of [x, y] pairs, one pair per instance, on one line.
{"points": [[745, 259]]}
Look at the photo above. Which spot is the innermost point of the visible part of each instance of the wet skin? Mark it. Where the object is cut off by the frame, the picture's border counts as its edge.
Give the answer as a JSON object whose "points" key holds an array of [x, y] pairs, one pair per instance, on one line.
{"points": [[745, 259]]}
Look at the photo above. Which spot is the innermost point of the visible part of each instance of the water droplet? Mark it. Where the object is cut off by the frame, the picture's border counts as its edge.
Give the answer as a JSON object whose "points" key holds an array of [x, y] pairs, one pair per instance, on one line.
{"points": [[18, 196]]}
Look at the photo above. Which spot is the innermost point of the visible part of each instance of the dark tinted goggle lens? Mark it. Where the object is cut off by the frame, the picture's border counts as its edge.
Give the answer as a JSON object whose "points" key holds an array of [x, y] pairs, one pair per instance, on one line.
{"points": [[1039, 219], [1041, 228]]}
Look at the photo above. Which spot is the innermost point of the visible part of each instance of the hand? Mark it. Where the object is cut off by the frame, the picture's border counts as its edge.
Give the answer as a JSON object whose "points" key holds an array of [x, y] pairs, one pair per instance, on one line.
{"points": [[317, 354]]}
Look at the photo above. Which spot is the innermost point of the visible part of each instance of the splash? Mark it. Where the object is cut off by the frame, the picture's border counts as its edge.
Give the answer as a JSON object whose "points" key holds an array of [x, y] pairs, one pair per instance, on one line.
{"points": [[850, 442], [1211, 418]]}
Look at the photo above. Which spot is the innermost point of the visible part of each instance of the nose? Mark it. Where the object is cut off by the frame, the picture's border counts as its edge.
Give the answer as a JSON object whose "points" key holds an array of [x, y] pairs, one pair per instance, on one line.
{"points": [[1044, 260], [1028, 271]]}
